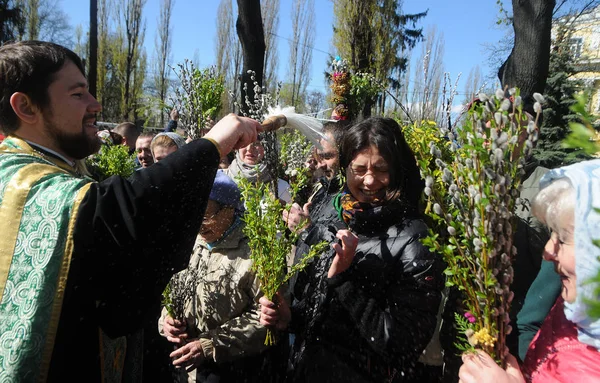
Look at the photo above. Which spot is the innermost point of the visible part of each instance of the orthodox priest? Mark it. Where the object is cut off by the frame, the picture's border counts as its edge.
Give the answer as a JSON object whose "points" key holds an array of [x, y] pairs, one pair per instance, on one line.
{"points": [[77, 255]]}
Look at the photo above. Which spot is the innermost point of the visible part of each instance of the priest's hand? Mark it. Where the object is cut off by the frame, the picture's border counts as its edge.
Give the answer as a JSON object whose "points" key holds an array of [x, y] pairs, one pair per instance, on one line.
{"points": [[188, 356], [234, 132], [175, 330], [345, 251], [273, 314]]}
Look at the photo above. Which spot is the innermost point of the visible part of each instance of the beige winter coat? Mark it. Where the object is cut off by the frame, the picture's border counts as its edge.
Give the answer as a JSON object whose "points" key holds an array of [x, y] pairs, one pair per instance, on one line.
{"points": [[224, 312]]}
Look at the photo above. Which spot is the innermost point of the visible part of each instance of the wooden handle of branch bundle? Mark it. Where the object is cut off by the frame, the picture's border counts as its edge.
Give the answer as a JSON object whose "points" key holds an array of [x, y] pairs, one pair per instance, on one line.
{"points": [[274, 122]]}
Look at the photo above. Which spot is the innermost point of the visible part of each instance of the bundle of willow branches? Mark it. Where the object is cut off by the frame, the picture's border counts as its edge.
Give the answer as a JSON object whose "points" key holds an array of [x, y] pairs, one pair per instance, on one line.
{"points": [[179, 292], [198, 97], [472, 194], [265, 228]]}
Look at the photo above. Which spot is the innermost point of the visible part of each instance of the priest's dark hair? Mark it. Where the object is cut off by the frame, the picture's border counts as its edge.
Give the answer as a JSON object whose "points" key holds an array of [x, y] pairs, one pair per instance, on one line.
{"points": [[29, 67]]}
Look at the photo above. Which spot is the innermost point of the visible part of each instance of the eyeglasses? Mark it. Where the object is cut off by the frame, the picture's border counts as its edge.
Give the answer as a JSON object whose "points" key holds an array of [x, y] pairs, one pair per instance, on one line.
{"points": [[213, 215], [362, 171]]}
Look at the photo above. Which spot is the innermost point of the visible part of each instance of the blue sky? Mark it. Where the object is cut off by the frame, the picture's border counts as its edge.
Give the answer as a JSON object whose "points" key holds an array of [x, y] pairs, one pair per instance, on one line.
{"points": [[465, 24]]}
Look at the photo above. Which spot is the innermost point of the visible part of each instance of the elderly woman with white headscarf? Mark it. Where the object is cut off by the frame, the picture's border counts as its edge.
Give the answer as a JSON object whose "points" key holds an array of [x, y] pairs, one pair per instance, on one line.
{"points": [[164, 144], [566, 347]]}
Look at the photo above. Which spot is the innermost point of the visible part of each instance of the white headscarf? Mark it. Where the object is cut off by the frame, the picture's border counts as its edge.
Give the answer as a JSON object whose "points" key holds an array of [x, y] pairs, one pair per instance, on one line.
{"points": [[179, 141], [585, 179]]}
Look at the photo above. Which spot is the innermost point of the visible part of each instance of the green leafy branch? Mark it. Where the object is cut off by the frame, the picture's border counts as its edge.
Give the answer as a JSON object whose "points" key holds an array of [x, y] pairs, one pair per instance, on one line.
{"points": [[111, 160], [268, 242]]}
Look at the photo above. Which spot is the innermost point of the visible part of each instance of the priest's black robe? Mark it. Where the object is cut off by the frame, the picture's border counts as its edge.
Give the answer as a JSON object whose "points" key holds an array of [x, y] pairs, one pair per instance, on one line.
{"points": [[131, 235]]}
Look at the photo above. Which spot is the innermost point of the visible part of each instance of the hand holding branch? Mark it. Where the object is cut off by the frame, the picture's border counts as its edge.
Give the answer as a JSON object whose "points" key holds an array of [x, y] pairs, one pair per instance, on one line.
{"points": [[297, 215], [275, 315], [481, 368], [175, 330], [345, 251]]}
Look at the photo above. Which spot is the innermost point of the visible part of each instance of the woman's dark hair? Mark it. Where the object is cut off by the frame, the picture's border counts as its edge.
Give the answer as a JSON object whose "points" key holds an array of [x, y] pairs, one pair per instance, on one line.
{"points": [[406, 184], [29, 67]]}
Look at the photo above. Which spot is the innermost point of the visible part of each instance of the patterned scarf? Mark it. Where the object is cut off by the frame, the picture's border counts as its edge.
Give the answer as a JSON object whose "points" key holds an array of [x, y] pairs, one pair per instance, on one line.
{"points": [[368, 218], [347, 206]]}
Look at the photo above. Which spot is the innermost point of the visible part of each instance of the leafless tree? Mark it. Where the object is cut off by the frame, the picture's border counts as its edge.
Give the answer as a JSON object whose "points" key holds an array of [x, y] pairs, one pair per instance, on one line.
{"points": [[315, 101], [134, 28], [270, 17], [474, 84], [428, 79], [81, 46], [224, 37], [303, 35], [44, 20], [104, 55], [93, 49], [31, 20], [228, 53], [162, 45], [234, 75]]}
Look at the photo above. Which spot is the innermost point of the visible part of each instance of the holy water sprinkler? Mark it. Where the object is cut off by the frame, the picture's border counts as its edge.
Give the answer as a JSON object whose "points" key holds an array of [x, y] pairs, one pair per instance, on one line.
{"points": [[287, 117]]}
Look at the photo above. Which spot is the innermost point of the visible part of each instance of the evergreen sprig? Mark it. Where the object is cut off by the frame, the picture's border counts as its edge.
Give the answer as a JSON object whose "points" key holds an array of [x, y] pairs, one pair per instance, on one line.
{"points": [[111, 160]]}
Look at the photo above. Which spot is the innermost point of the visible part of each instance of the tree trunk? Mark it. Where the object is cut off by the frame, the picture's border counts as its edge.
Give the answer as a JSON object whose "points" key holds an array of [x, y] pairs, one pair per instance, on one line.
{"points": [[369, 103], [93, 68], [129, 68], [250, 32], [527, 65]]}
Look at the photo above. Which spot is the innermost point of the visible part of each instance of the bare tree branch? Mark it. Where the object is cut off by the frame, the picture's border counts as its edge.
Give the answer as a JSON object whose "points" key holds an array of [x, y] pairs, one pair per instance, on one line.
{"points": [[162, 45]]}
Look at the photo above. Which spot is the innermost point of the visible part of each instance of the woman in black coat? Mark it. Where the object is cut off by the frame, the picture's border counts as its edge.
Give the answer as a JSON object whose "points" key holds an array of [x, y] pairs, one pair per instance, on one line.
{"points": [[366, 310]]}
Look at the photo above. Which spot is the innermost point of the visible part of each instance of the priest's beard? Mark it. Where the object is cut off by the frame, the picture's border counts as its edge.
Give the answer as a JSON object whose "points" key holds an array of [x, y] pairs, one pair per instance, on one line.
{"points": [[75, 145]]}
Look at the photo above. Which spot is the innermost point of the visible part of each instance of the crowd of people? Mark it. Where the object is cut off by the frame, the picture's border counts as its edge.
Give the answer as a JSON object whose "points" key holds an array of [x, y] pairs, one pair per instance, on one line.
{"points": [[84, 262]]}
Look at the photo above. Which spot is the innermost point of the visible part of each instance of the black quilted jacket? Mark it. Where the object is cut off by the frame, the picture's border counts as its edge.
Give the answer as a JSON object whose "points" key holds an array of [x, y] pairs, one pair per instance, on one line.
{"points": [[371, 322]]}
